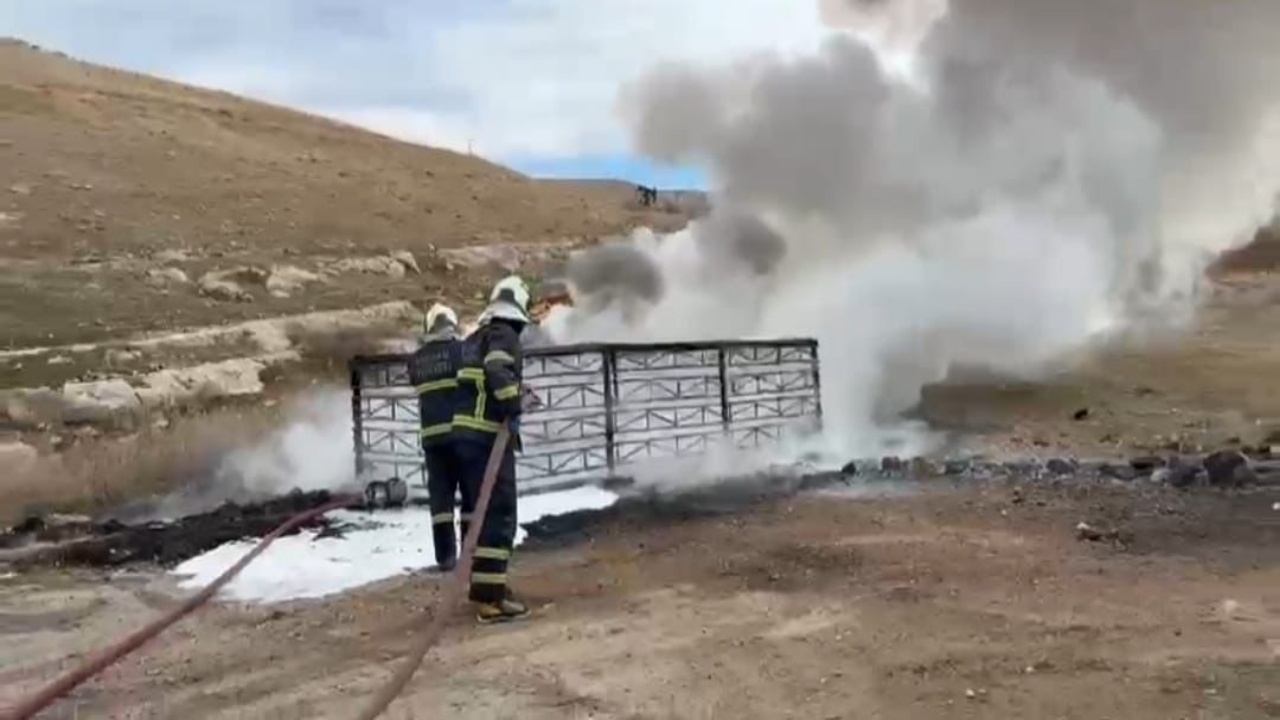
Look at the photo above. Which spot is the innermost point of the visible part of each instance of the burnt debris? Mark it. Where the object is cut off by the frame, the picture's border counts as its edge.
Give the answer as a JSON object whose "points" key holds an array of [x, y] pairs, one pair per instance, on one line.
{"points": [[112, 543]]}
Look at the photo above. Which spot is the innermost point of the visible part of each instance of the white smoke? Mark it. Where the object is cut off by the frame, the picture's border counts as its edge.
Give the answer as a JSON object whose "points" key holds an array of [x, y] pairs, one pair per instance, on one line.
{"points": [[313, 450], [1043, 176]]}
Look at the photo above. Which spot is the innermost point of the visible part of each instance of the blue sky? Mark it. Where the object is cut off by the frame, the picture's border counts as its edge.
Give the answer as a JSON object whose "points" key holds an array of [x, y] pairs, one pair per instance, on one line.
{"points": [[530, 83]]}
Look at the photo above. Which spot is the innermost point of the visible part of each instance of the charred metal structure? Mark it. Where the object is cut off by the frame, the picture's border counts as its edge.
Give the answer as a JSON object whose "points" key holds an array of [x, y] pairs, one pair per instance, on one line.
{"points": [[606, 408]]}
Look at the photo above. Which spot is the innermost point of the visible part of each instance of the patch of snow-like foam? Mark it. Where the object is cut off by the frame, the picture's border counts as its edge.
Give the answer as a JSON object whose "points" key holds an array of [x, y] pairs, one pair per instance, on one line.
{"points": [[372, 547]]}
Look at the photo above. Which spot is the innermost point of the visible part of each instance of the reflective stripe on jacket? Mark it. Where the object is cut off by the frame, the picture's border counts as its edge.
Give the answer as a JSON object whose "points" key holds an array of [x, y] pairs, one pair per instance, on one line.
{"points": [[433, 371], [488, 381]]}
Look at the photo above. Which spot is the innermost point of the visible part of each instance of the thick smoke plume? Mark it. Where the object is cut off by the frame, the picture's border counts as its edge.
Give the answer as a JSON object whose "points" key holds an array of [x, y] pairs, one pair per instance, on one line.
{"points": [[1036, 176]]}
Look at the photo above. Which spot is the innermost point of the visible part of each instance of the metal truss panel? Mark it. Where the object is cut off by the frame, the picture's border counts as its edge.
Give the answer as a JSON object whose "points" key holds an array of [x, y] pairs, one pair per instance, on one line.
{"points": [[672, 446], [772, 354], [603, 408], [776, 381], [629, 361]]}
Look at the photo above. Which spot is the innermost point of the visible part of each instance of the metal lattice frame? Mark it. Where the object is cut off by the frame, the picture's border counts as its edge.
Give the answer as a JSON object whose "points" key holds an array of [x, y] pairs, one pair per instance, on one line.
{"points": [[607, 407]]}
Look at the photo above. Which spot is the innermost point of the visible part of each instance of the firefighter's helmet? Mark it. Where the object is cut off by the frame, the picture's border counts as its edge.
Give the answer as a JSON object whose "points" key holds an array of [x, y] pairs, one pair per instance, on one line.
{"points": [[509, 300], [439, 317]]}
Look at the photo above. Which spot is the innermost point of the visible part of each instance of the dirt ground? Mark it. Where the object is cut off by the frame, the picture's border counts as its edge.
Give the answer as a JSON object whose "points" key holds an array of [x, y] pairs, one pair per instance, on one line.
{"points": [[949, 602]]}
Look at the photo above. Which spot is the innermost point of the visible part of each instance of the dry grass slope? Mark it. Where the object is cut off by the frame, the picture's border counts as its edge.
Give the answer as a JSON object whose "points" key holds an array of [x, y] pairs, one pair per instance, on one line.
{"points": [[97, 163]]}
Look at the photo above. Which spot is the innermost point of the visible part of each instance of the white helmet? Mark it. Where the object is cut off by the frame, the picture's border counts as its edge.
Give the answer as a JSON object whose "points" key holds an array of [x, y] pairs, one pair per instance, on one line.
{"points": [[509, 301], [438, 318]]}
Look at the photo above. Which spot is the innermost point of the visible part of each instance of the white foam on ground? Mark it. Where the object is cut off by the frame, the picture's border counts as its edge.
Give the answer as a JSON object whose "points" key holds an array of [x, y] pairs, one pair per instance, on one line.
{"points": [[374, 546]]}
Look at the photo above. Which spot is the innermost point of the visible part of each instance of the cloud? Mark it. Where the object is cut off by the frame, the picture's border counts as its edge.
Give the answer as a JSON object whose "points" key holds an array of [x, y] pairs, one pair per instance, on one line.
{"points": [[513, 78]]}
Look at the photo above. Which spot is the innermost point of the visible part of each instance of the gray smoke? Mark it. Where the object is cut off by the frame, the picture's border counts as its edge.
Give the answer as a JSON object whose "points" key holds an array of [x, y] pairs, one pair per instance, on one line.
{"points": [[1035, 177], [616, 270]]}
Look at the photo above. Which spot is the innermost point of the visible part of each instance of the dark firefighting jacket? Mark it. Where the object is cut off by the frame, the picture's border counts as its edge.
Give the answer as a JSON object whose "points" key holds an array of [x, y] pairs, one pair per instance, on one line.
{"points": [[489, 383], [433, 371]]}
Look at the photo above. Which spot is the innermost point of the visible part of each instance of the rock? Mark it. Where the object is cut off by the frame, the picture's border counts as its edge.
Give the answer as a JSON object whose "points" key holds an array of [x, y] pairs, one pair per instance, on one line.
{"points": [[1081, 414], [957, 467], [59, 360], [172, 255], [116, 358], [17, 457], [1058, 466], [1229, 468], [285, 280], [20, 189], [162, 277], [483, 257], [218, 287], [30, 409], [387, 266], [180, 387], [105, 402], [406, 258], [1088, 533], [850, 468]]}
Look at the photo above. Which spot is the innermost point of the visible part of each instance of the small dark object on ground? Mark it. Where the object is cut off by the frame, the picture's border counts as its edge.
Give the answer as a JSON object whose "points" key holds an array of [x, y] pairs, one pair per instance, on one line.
{"points": [[1147, 464], [1229, 468], [1058, 466], [1117, 472], [1081, 414], [1088, 533]]}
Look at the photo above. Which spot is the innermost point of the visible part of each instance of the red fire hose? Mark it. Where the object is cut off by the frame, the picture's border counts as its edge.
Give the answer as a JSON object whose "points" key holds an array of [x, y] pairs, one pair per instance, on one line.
{"points": [[65, 684], [461, 574], [430, 634]]}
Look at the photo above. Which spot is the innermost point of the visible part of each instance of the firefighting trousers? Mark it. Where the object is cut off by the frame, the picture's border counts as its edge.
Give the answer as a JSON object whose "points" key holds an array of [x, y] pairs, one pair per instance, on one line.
{"points": [[444, 481], [498, 533]]}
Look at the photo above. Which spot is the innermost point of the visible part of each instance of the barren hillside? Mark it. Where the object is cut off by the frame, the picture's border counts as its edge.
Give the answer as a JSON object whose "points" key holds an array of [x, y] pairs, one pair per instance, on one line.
{"points": [[105, 175]]}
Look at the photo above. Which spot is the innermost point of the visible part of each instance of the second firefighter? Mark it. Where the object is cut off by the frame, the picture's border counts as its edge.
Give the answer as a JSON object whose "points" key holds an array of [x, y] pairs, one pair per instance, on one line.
{"points": [[490, 395]]}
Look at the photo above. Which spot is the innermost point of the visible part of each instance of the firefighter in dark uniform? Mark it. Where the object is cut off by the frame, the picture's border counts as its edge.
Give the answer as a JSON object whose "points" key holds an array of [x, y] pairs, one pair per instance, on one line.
{"points": [[433, 370], [489, 395]]}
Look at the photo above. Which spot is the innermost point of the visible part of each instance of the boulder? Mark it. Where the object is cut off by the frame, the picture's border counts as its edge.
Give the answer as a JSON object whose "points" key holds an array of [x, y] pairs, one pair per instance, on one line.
{"points": [[116, 357], [228, 285], [166, 276], [214, 286], [29, 409], [178, 387], [388, 266], [285, 280], [406, 258], [486, 257], [105, 402]]}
